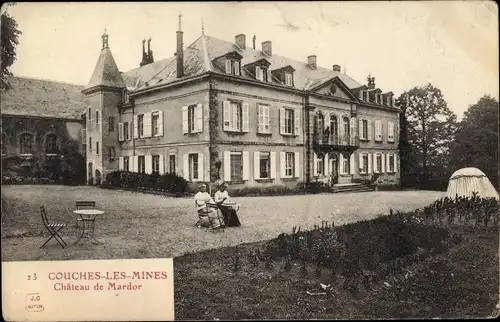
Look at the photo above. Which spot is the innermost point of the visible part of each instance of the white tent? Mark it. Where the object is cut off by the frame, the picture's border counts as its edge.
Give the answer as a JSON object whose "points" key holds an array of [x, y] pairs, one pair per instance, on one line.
{"points": [[467, 180]]}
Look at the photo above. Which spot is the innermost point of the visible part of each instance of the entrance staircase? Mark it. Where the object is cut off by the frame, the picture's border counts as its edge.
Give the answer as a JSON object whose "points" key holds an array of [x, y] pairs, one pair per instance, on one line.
{"points": [[352, 187]]}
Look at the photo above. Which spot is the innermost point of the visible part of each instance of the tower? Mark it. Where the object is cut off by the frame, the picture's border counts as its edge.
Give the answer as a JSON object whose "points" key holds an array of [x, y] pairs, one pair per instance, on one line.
{"points": [[104, 93]]}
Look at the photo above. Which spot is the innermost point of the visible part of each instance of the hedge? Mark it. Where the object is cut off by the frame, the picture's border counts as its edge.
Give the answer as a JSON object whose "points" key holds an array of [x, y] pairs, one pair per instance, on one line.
{"points": [[169, 182]]}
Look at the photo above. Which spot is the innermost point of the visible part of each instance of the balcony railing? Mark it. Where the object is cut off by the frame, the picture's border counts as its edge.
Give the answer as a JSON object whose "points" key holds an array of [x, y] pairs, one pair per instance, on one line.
{"points": [[337, 140]]}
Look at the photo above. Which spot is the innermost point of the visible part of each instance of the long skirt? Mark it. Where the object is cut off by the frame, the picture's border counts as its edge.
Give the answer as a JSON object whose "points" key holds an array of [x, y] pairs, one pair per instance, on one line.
{"points": [[230, 217], [208, 218]]}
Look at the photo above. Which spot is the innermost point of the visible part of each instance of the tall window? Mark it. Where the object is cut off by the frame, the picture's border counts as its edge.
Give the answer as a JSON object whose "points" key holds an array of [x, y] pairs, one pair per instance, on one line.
{"points": [[193, 166], [26, 143], [96, 117], [391, 163], [289, 164], [365, 129], [333, 128], [236, 166], [142, 164], [97, 147], [154, 121], [346, 128], [289, 121], [140, 125], [171, 163], [126, 166], [126, 130], [264, 165], [111, 124], [320, 165], [320, 126], [378, 163], [288, 79], [264, 120], [90, 144], [345, 163], [51, 144], [191, 118], [364, 164], [156, 163], [90, 114]]}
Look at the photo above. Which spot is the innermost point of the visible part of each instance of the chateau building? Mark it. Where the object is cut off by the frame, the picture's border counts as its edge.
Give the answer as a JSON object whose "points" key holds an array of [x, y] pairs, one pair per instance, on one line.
{"points": [[227, 110]]}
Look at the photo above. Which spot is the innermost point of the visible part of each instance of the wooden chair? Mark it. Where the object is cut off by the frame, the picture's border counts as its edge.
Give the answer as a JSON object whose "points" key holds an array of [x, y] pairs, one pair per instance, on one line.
{"points": [[53, 229]]}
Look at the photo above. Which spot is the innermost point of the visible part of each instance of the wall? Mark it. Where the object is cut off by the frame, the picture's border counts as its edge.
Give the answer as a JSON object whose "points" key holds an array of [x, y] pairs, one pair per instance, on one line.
{"points": [[94, 132]]}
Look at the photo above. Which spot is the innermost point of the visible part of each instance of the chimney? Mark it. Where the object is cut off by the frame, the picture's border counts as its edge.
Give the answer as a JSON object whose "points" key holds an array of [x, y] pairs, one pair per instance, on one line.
{"points": [[150, 52], [311, 60], [180, 54], [336, 68], [144, 54], [253, 40], [371, 81], [240, 40], [267, 48]]}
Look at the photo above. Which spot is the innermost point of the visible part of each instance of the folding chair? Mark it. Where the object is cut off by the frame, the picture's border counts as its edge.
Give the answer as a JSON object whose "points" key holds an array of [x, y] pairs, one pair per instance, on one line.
{"points": [[53, 229]]}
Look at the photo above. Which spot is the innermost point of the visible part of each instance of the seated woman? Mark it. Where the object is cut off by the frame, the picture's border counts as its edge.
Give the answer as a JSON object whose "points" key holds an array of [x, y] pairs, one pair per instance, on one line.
{"points": [[208, 216], [229, 214]]}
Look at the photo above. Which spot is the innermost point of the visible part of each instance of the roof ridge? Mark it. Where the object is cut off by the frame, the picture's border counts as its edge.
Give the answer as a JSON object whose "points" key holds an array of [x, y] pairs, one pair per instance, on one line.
{"points": [[47, 80]]}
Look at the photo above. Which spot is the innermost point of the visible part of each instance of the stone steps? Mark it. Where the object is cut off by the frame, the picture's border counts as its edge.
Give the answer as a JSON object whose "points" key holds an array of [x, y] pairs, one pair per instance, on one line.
{"points": [[340, 188]]}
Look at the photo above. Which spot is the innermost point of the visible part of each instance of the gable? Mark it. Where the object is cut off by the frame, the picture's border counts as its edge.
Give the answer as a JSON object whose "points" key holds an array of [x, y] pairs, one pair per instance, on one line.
{"points": [[334, 88]]}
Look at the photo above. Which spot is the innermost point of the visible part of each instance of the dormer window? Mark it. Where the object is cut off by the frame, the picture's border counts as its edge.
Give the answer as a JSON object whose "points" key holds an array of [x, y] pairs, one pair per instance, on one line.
{"points": [[365, 96], [288, 79], [232, 67], [261, 73], [125, 97]]}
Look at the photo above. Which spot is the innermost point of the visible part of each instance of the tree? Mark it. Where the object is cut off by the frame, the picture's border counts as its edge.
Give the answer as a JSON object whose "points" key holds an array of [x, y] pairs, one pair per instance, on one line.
{"points": [[476, 139], [9, 40], [428, 132]]}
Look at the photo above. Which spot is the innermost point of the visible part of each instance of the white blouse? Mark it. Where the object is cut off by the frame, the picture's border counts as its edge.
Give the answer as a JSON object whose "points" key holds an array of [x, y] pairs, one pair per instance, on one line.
{"points": [[220, 195]]}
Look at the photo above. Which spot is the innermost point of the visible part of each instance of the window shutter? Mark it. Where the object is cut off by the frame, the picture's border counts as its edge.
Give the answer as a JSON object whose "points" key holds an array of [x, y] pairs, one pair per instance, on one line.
{"points": [[161, 168], [351, 164], [135, 163], [273, 165], [244, 117], [369, 163], [258, 73], [246, 165], [260, 125], [390, 134], [160, 123], [228, 66], [120, 163], [296, 114], [267, 119], [147, 125], [236, 68], [227, 165], [387, 167], [370, 130], [326, 167], [149, 163], [256, 165], [361, 132], [360, 95], [201, 171], [185, 166], [120, 132], [282, 120], [129, 129], [136, 127], [84, 136], [382, 156], [361, 165], [185, 126], [199, 118], [341, 162], [297, 164], [375, 170], [395, 163], [227, 115], [315, 165], [282, 165]]}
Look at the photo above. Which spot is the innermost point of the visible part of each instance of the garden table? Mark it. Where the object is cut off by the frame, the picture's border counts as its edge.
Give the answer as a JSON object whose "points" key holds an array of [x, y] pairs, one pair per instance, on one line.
{"points": [[88, 216]]}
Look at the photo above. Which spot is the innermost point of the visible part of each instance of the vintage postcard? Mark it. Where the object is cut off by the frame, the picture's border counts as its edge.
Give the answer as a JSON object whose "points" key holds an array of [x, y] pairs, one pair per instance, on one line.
{"points": [[249, 160]]}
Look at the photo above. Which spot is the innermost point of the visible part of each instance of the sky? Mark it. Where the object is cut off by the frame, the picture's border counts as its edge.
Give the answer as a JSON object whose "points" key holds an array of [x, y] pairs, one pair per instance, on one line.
{"points": [[452, 44]]}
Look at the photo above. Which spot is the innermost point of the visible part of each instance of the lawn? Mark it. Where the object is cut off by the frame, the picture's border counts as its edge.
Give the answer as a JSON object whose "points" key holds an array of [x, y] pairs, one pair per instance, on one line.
{"points": [[138, 225]]}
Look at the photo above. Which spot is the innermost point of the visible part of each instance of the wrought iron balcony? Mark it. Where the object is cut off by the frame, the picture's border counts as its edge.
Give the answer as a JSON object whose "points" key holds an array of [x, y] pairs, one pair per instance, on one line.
{"points": [[336, 141]]}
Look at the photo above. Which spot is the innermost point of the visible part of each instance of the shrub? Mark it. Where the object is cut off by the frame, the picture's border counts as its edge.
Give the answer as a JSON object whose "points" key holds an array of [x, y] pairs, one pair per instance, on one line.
{"points": [[169, 182], [266, 191]]}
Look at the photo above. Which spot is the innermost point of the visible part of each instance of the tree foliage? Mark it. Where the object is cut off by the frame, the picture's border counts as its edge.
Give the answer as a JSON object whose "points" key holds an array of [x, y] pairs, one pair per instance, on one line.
{"points": [[476, 139], [427, 134], [9, 40]]}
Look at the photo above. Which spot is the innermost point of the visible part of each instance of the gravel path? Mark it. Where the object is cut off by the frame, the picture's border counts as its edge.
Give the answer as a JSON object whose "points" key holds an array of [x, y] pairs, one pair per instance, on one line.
{"points": [[138, 225]]}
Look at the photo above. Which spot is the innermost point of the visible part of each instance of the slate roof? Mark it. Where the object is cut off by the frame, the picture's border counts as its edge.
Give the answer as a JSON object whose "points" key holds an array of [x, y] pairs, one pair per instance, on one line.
{"points": [[106, 72], [199, 56], [38, 97]]}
